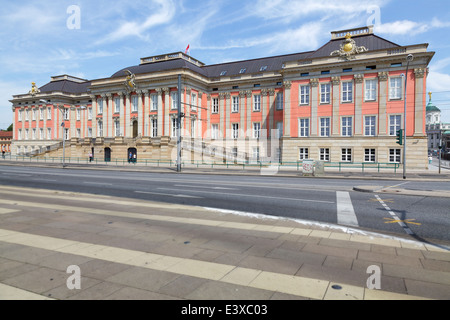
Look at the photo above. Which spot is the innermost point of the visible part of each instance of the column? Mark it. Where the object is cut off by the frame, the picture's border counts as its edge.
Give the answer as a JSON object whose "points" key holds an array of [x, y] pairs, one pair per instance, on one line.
{"points": [[166, 112], [200, 112], [140, 122], [160, 118], [382, 103], [128, 129], [264, 93], [122, 113], [336, 81], [221, 114], [146, 113], [186, 106], [109, 115], [227, 131], [249, 107], [44, 127], [72, 117], [242, 114], [208, 117], [314, 102], [287, 109], [271, 110], [419, 102], [358, 96]]}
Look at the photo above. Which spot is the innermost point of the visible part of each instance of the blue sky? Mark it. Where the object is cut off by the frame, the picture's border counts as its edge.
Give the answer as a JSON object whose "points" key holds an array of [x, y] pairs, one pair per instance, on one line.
{"points": [[40, 39]]}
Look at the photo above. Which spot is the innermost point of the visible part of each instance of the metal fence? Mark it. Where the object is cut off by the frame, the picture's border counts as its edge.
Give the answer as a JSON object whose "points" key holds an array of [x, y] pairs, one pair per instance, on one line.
{"points": [[296, 166]]}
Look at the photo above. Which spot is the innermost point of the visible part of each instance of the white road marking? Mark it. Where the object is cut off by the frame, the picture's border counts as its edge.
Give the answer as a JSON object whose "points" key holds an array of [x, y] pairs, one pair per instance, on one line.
{"points": [[169, 194], [200, 187], [394, 216], [246, 195], [345, 212], [99, 183]]}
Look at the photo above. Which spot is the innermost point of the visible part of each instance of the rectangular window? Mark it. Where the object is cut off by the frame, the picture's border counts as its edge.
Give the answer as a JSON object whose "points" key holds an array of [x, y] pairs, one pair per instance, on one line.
{"points": [[49, 133], [33, 114], [41, 134], [347, 91], [174, 100], [395, 124], [100, 129], [324, 127], [193, 102], [215, 131], [325, 93], [33, 134], [117, 127], [66, 134], [369, 155], [134, 104], [20, 134], [370, 126], [279, 103], [89, 132], [346, 155], [280, 129], [395, 88], [215, 105], [90, 113], [19, 117], [66, 113], [304, 95], [100, 106], [324, 154], [174, 127], [256, 153], [49, 113], [371, 90], [41, 111], [347, 126], [78, 114], [117, 105], [154, 102], [257, 103], [235, 107], [303, 127], [154, 128], [235, 130], [256, 130], [193, 126], [27, 115], [304, 154], [395, 155], [78, 133]]}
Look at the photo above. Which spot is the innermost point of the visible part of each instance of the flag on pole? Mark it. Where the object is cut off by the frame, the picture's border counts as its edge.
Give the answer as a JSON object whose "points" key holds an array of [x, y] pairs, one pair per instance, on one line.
{"points": [[187, 49]]}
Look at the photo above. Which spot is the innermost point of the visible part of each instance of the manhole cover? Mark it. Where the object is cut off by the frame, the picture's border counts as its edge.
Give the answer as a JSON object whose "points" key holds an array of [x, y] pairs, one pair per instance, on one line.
{"points": [[336, 287]]}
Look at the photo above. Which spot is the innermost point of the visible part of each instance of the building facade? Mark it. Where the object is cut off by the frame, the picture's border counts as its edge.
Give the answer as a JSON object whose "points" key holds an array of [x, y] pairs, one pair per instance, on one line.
{"points": [[341, 103], [435, 128], [5, 141]]}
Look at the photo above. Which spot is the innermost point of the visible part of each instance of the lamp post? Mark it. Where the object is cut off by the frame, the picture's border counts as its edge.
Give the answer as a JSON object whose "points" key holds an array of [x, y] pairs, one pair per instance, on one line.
{"points": [[409, 59]]}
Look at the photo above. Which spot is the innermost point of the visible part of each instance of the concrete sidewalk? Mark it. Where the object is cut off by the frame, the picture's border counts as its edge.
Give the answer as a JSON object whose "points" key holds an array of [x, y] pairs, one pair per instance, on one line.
{"points": [[135, 249]]}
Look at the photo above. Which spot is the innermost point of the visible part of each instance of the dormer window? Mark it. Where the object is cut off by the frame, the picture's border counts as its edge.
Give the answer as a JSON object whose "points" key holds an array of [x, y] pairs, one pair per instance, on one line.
{"points": [[243, 70], [263, 68], [223, 73]]}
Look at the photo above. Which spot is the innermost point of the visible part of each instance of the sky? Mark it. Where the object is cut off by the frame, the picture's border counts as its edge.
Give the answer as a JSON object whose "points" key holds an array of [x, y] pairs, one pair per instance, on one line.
{"points": [[94, 39]]}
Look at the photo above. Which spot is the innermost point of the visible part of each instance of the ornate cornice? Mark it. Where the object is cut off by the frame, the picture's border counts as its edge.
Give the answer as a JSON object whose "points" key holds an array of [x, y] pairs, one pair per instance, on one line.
{"points": [[359, 78], [383, 76], [420, 72], [314, 82], [287, 84], [336, 80]]}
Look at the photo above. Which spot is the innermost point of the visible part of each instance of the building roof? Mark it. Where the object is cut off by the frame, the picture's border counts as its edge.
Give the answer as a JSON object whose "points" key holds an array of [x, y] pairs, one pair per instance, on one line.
{"points": [[66, 84], [6, 134], [432, 108]]}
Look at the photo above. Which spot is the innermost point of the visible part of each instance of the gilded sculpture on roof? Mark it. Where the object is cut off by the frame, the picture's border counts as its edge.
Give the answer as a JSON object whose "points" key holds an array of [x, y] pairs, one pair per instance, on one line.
{"points": [[349, 49], [130, 83], [34, 89]]}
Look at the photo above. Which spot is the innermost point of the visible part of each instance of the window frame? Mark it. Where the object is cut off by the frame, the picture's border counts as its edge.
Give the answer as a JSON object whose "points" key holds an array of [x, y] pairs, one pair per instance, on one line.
{"points": [[347, 91], [371, 126], [304, 127], [347, 127], [395, 90], [326, 93], [368, 91], [304, 97]]}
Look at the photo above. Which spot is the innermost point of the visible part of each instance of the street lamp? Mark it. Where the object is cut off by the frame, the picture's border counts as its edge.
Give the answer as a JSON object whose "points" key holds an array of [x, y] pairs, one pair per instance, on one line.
{"points": [[409, 59]]}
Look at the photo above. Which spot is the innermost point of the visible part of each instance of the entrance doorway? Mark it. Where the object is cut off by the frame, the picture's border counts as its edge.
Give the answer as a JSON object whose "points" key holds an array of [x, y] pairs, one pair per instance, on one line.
{"points": [[132, 155], [107, 154]]}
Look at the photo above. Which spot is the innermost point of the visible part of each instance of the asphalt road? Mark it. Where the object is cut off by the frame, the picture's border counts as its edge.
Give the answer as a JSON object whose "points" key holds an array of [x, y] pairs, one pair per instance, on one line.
{"points": [[318, 200]]}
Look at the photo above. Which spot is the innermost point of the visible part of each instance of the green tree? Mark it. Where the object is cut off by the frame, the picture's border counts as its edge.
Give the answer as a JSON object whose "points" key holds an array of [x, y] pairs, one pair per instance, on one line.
{"points": [[10, 128]]}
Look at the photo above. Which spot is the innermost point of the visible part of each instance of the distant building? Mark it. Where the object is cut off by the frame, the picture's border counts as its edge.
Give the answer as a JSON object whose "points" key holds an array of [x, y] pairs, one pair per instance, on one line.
{"points": [[435, 128], [5, 140], [343, 102]]}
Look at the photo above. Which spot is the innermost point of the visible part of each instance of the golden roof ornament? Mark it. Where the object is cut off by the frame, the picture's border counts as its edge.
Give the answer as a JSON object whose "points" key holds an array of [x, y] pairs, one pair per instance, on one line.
{"points": [[34, 89], [349, 49], [130, 83]]}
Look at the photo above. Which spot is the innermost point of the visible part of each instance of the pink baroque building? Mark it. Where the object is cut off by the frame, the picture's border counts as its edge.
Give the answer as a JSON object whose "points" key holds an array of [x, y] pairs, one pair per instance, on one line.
{"points": [[343, 102]]}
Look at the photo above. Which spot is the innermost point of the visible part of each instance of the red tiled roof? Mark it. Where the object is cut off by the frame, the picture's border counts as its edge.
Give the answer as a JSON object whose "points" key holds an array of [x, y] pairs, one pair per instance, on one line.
{"points": [[6, 134]]}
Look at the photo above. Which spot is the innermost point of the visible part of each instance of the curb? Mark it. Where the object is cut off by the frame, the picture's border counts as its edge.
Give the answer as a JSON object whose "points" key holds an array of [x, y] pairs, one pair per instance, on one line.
{"points": [[405, 192]]}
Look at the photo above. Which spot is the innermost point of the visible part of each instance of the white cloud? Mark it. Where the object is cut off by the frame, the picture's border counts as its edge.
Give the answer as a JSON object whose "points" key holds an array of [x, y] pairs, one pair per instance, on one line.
{"points": [[401, 28], [162, 16]]}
